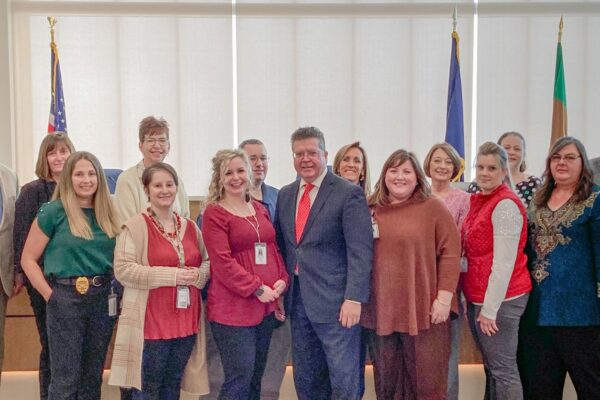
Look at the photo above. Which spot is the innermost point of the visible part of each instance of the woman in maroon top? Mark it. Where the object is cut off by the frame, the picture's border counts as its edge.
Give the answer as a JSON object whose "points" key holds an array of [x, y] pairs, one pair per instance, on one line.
{"points": [[248, 275], [415, 273], [162, 264]]}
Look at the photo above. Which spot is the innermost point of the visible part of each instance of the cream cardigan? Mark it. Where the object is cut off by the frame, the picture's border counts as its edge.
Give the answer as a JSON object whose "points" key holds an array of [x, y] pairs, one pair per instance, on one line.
{"points": [[132, 270]]}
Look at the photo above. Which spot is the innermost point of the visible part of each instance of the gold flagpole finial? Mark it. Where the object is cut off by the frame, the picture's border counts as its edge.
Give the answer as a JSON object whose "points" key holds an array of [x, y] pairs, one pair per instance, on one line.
{"points": [[454, 18], [52, 21], [560, 29]]}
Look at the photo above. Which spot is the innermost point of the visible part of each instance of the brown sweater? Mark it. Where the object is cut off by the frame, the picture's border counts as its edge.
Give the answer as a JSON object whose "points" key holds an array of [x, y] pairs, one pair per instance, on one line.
{"points": [[417, 254]]}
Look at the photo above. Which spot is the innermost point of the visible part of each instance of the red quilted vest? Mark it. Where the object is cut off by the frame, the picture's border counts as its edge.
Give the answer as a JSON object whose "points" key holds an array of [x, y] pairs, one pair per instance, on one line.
{"points": [[478, 245]]}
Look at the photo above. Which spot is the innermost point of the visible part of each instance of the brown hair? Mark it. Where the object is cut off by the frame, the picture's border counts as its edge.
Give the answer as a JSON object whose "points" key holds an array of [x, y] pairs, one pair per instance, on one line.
{"points": [[494, 149], [151, 125], [154, 168], [49, 143], [381, 194], [523, 166], [365, 177], [584, 186], [450, 151]]}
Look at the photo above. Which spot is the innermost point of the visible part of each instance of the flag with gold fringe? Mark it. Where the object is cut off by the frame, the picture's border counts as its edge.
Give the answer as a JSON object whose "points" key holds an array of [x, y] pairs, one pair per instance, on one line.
{"points": [[57, 121], [559, 106], [455, 130]]}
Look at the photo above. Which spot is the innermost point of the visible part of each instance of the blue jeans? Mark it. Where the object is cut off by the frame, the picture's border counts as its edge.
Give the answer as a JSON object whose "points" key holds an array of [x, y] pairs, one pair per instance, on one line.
{"points": [[163, 363], [79, 331], [243, 351]]}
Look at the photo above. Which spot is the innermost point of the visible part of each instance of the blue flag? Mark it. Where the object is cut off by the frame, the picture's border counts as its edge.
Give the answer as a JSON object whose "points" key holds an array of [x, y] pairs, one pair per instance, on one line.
{"points": [[455, 129], [57, 121]]}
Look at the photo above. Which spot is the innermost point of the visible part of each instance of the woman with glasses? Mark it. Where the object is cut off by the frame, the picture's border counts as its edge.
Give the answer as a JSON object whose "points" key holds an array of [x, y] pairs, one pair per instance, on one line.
{"points": [[560, 331], [130, 198]]}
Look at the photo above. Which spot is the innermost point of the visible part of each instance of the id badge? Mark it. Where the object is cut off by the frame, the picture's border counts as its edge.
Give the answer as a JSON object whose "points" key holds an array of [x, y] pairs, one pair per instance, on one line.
{"points": [[260, 253], [375, 229], [183, 297], [112, 305]]}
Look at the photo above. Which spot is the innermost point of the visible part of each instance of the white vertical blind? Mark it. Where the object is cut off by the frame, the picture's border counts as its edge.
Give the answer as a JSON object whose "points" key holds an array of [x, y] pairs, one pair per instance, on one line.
{"points": [[380, 79]]}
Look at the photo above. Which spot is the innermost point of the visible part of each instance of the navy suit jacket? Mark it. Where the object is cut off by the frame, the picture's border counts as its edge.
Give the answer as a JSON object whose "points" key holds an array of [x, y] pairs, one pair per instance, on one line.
{"points": [[335, 252]]}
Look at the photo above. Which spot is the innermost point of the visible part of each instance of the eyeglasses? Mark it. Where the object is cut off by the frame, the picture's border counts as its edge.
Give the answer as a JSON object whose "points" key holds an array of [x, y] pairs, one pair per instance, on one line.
{"points": [[163, 141], [310, 154], [569, 158], [255, 159]]}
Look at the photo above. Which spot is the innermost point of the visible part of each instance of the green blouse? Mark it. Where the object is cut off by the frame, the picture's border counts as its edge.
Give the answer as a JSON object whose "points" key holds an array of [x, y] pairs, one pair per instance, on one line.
{"points": [[68, 256]]}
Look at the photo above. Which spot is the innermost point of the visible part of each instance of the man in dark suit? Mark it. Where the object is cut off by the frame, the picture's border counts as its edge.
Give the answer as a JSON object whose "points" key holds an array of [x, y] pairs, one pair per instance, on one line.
{"points": [[324, 232]]}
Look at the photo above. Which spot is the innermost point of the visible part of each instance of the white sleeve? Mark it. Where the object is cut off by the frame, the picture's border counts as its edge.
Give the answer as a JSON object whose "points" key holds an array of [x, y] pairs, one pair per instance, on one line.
{"points": [[508, 222]]}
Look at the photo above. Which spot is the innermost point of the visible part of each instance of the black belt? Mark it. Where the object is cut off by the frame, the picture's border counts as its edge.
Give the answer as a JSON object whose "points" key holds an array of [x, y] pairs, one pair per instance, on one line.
{"points": [[96, 280]]}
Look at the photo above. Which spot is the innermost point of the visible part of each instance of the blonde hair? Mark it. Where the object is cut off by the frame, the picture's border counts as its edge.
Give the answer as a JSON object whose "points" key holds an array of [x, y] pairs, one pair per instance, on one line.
{"points": [[450, 152], [216, 191], [42, 169], [364, 179], [104, 210], [381, 194], [494, 149]]}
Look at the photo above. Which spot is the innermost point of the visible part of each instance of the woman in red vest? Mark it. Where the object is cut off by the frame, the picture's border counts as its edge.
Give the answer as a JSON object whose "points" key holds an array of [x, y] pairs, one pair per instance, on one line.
{"points": [[497, 282]]}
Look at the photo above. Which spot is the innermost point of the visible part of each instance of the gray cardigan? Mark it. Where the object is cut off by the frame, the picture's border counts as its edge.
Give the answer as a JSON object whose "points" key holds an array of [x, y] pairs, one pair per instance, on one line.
{"points": [[10, 188]]}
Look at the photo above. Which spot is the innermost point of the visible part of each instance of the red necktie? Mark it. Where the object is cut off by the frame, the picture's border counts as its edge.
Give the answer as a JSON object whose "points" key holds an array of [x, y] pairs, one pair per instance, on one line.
{"points": [[303, 210]]}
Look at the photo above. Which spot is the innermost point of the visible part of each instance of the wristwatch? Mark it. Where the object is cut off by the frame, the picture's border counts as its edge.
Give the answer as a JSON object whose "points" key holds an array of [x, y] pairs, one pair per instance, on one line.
{"points": [[259, 291]]}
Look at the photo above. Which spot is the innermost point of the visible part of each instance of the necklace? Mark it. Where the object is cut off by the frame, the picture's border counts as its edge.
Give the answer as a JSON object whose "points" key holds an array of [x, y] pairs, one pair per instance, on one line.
{"points": [[172, 237], [161, 228], [252, 224]]}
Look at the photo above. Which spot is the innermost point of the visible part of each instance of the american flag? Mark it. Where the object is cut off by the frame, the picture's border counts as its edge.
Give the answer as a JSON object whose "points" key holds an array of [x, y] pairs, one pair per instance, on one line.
{"points": [[57, 121]]}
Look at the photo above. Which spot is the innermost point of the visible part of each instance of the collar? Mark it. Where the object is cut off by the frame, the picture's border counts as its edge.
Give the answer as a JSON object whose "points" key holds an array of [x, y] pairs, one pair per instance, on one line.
{"points": [[317, 182]]}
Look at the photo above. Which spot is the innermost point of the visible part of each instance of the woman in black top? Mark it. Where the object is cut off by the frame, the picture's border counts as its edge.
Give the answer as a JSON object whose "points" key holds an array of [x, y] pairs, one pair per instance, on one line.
{"points": [[54, 151]]}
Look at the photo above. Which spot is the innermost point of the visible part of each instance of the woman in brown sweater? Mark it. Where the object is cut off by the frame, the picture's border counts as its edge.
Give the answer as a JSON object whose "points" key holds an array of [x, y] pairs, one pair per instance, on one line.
{"points": [[415, 272]]}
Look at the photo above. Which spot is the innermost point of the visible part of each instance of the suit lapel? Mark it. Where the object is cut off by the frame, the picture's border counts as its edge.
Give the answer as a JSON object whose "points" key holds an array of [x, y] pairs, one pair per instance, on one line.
{"points": [[291, 205], [324, 191]]}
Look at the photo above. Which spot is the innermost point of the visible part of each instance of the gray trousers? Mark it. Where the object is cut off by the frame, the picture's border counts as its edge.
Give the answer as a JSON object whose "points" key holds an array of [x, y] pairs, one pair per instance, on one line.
{"points": [[499, 351], [278, 358]]}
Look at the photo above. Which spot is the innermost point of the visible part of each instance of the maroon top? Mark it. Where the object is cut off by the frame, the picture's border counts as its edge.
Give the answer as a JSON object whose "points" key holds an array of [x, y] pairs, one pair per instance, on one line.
{"points": [[163, 319], [230, 241]]}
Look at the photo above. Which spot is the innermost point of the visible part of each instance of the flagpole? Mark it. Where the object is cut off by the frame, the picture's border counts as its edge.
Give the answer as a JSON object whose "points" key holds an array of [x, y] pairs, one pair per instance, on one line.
{"points": [[52, 21], [560, 29]]}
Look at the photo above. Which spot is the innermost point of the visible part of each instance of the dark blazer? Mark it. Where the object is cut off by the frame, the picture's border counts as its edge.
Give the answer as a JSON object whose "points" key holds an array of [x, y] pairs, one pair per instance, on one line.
{"points": [[335, 252]]}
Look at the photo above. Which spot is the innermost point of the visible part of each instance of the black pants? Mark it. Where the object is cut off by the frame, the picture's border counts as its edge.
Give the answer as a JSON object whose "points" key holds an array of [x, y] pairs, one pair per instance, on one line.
{"points": [[79, 331], [38, 304], [546, 354], [163, 363], [243, 353]]}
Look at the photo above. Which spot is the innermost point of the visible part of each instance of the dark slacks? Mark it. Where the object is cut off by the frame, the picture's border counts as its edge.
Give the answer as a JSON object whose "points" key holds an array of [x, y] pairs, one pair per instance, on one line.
{"points": [[163, 363], [546, 354], [412, 367], [38, 304], [243, 352], [326, 356], [79, 331]]}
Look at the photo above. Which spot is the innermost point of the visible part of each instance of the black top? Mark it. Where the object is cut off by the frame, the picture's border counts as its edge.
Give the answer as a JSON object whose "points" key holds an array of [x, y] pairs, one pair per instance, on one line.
{"points": [[524, 189], [30, 199]]}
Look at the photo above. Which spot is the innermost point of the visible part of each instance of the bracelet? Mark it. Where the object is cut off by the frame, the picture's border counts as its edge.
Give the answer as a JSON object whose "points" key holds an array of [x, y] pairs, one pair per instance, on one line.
{"points": [[441, 302]]}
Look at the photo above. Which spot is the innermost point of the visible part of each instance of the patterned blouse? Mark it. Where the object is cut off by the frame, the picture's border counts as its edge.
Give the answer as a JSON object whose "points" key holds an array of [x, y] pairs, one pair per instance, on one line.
{"points": [[524, 189], [564, 261]]}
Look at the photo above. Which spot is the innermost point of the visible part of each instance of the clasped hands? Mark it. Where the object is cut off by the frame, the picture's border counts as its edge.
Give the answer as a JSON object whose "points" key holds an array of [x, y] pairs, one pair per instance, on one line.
{"points": [[271, 294], [187, 276]]}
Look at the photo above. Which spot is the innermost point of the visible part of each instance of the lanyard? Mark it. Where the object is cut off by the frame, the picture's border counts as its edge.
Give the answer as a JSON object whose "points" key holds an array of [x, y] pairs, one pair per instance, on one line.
{"points": [[175, 240], [254, 227]]}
